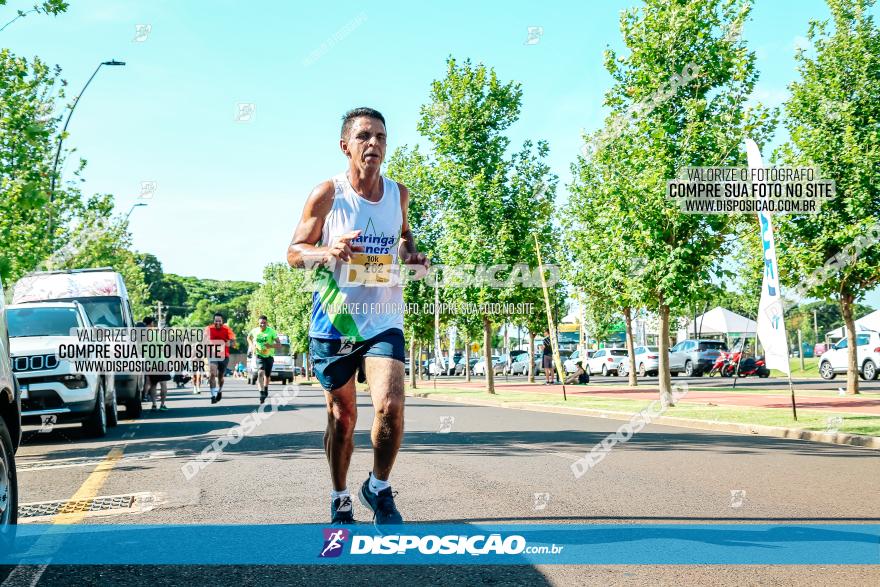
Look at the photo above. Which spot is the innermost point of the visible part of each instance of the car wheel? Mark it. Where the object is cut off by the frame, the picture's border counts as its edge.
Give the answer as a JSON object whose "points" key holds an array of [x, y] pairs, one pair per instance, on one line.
{"points": [[133, 408], [604, 371], [826, 371], [688, 369], [674, 373], [869, 370], [8, 484], [642, 371], [113, 412], [96, 424]]}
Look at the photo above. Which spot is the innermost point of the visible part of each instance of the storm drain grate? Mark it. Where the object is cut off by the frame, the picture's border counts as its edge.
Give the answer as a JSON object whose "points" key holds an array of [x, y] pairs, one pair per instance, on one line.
{"points": [[131, 502]]}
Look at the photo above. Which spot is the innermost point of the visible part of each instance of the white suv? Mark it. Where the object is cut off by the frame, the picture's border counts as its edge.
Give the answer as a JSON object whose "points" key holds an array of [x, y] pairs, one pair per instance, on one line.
{"points": [[835, 360], [50, 389]]}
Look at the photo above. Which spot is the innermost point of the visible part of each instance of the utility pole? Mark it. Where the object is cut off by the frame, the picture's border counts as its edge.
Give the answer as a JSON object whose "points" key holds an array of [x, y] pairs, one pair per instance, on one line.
{"points": [[159, 318], [815, 328]]}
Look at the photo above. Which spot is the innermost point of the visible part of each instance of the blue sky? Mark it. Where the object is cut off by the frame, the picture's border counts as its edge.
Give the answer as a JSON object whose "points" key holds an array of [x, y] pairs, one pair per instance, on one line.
{"points": [[228, 194]]}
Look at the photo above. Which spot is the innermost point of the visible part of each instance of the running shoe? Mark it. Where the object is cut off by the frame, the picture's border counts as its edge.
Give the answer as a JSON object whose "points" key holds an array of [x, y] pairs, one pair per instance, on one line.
{"points": [[382, 505], [154, 409], [341, 511], [263, 395], [163, 408]]}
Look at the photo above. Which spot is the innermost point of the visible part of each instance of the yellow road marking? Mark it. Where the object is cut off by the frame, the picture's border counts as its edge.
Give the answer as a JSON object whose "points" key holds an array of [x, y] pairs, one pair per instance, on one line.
{"points": [[91, 486]]}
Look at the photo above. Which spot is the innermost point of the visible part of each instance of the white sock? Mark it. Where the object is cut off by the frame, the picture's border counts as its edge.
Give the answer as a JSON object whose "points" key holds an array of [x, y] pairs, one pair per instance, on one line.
{"points": [[344, 493], [377, 485]]}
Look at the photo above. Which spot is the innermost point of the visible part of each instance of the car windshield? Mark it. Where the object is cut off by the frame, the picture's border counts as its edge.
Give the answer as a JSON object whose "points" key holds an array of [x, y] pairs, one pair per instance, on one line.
{"points": [[283, 350], [651, 349], [41, 321], [618, 352], [104, 311], [713, 345]]}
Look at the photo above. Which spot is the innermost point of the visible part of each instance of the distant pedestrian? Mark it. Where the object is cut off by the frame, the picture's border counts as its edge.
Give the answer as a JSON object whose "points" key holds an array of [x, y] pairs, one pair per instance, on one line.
{"points": [[547, 360], [157, 379]]}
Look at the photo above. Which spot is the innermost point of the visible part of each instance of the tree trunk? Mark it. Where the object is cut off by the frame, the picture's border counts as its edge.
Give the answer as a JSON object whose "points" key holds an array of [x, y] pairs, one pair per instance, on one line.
{"points": [[306, 369], [467, 359], [663, 346], [630, 347], [419, 366], [487, 356], [412, 362], [531, 357], [852, 370]]}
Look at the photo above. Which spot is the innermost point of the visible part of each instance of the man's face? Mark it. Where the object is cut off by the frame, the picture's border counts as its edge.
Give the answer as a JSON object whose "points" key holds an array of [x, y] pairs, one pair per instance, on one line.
{"points": [[263, 324], [218, 321], [365, 143]]}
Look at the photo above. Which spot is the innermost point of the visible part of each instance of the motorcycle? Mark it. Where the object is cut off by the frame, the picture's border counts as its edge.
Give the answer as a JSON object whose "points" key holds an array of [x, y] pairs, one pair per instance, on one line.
{"points": [[718, 366], [748, 366]]}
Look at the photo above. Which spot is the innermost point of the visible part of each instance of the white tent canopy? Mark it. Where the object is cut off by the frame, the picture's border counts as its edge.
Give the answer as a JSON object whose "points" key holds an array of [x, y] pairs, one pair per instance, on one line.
{"points": [[869, 322], [719, 321]]}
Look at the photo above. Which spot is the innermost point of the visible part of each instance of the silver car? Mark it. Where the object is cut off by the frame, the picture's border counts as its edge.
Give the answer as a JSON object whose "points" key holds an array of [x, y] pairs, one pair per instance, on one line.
{"points": [[695, 357]]}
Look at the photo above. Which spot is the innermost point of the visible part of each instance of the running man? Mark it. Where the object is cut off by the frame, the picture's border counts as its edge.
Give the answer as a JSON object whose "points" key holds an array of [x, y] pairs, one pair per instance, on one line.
{"points": [[222, 332], [262, 341], [355, 225]]}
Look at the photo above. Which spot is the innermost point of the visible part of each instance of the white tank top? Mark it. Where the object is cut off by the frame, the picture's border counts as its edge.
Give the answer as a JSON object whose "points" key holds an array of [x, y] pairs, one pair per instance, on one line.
{"points": [[354, 302]]}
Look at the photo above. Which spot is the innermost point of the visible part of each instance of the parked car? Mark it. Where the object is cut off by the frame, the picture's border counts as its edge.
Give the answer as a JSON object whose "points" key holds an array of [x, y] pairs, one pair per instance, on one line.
{"points": [[520, 364], [10, 428], [459, 365], [406, 367], [504, 362], [103, 294], [695, 357], [52, 387], [647, 360], [480, 365], [605, 361], [570, 364], [836, 359]]}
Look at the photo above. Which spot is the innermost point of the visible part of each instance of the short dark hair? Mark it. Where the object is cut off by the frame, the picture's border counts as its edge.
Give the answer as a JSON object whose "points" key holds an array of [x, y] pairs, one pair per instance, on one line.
{"points": [[148, 320], [262, 317], [348, 118], [222, 317]]}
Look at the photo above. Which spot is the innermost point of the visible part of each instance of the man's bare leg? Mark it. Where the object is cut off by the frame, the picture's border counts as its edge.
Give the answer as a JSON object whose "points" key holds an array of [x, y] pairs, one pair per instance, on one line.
{"points": [[385, 377], [339, 436]]}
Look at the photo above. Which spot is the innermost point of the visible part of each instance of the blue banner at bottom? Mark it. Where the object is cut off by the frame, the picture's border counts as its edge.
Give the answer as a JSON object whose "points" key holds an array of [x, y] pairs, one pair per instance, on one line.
{"points": [[452, 544]]}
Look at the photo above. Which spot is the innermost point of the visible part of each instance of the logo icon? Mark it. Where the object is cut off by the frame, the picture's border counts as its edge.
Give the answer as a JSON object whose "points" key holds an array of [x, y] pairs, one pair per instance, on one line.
{"points": [[141, 32], [833, 424], [334, 539], [737, 497], [446, 423], [148, 190], [245, 112], [535, 33], [541, 501], [48, 423]]}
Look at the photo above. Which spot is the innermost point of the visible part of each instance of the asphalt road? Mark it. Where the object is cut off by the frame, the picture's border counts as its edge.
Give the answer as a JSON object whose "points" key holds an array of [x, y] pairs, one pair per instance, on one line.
{"points": [[487, 467]]}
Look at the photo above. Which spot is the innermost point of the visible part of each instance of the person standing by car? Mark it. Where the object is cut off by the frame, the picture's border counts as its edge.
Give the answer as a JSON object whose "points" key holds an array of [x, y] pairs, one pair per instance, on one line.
{"points": [[547, 360], [262, 341], [157, 379]]}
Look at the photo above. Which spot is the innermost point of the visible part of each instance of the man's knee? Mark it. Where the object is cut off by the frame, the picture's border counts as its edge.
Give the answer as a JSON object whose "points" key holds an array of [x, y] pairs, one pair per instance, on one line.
{"points": [[391, 405]]}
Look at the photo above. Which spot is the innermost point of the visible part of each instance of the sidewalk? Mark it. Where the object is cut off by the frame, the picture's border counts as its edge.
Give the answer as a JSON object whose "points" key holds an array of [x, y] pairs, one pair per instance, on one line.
{"points": [[853, 404]]}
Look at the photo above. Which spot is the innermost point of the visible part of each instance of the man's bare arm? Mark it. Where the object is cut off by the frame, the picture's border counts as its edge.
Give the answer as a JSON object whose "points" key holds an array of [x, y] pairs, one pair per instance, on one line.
{"points": [[407, 250], [304, 252]]}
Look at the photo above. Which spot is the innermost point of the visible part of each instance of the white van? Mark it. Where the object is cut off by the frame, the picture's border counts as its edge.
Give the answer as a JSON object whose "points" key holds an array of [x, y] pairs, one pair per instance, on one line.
{"points": [[103, 295]]}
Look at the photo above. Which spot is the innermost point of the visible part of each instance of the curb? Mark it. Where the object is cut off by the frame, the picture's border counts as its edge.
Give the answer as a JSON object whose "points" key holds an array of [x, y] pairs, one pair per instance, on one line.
{"points": [[872, 442]]}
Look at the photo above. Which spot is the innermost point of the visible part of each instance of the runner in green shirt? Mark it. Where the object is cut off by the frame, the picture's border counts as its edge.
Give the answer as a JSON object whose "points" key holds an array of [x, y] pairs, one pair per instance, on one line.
{"points": [[262, 341]]}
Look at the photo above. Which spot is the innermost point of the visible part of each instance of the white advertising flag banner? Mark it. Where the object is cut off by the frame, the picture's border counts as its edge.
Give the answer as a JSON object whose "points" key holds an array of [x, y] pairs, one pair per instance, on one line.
{"points": [[771, 321]]}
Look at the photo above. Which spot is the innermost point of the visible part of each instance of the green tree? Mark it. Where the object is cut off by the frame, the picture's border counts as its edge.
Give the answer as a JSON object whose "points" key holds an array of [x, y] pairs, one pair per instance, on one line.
{"points": [[700, 120], [484, 192], [285, 300], [832, 117]]}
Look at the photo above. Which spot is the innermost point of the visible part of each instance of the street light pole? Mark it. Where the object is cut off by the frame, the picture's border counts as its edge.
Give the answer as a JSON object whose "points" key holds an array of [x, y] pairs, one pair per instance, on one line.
{"points": [[66, 122], [133, 206]]}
